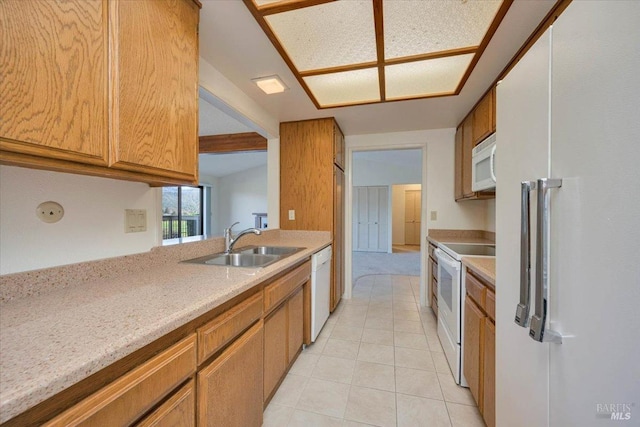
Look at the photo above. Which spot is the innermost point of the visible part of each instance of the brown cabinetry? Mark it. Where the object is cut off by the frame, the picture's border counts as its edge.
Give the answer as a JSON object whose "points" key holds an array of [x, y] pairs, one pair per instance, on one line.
{"points": [[479, 345], [125, 400], [312, 184], [178, 410], [101, 87], [230, 387], [284, 327], [483, 118], [478, 124]]}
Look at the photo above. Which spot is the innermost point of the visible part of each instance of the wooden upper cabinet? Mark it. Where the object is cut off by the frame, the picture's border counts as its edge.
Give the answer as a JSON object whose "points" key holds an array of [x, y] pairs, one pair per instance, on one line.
{"points": [[494, 102], [338, 146], [101, 87], [458, 164], [467, 148], [154, 59], [53, 86], [483, 118]]}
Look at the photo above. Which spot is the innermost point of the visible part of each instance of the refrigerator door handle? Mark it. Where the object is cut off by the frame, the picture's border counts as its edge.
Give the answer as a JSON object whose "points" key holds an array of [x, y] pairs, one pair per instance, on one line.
{"points": [[522, 310], [539, 319]]}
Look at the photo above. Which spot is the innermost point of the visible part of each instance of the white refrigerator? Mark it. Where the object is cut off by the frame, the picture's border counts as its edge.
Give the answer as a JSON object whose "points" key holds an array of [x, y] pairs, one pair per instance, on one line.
{"points": [[569, 112]]}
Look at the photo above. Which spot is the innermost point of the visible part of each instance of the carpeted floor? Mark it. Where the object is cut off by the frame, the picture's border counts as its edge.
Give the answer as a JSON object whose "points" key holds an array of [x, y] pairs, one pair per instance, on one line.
{"points": [[365, 263]]}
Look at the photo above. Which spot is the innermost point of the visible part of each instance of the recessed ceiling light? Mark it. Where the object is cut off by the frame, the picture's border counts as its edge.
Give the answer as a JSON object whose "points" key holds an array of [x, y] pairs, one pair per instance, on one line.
{"points": [[270, 84]]}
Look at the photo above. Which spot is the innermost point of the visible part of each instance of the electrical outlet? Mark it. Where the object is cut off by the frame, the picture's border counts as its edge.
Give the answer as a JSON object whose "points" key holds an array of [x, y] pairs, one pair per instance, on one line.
{"points": [[292, 215], [50, 212], [135, 220], [434, 215]]}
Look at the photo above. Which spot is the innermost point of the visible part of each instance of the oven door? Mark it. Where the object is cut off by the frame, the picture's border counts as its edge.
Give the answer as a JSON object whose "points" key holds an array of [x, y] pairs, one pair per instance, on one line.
{"points": [[449, 293]]}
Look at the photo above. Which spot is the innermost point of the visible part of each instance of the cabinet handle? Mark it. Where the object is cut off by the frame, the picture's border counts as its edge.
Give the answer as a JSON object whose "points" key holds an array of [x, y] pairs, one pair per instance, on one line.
{"points": [[538, 331], [522, 310]]}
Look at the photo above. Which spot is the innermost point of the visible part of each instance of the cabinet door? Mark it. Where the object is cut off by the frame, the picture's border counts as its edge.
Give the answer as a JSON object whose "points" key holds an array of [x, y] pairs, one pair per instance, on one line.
{"points": [[458, 194], [337, 266], [275, 349], [467, 148], [338, 146], [154, 66], [483, 118], [178, 410], [295, 325], [230, 388], [53, 87], [473, 343], [489, 374]]}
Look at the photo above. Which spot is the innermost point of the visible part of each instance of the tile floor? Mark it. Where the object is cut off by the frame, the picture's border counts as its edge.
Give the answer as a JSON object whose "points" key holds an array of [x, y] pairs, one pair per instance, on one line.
{"points": [[377, 362]]}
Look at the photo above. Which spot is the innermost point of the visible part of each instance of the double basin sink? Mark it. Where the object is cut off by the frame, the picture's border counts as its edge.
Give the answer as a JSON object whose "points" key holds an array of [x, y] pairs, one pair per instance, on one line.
{"points": [[249, 256]]}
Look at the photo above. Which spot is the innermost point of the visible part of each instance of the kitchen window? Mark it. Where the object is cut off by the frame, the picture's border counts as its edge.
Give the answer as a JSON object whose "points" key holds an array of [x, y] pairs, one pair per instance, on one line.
{"points": [[182, 212]]}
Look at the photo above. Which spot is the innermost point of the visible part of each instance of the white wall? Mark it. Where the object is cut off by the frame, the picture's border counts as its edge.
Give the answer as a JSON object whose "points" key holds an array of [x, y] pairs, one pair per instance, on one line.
{"points": [[92, 226], [213, 182], [467, 215], [240, 194], [371, 173], [491, 215], [397, 211]]}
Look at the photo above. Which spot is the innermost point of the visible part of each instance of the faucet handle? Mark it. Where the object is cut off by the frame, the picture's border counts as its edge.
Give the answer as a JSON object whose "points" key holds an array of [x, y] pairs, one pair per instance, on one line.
{"points": [[228, 230]]}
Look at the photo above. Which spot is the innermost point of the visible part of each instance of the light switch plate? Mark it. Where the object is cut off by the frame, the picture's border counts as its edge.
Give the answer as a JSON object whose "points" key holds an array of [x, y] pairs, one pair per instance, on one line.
{"points": [[434, 215], [292, 215], [135, 220]]}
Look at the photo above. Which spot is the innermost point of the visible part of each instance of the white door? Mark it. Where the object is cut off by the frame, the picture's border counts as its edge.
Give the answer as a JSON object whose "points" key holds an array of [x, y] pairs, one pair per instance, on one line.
{"points": [[370, 219], [412, 213], [522, 365], [595, 242]]}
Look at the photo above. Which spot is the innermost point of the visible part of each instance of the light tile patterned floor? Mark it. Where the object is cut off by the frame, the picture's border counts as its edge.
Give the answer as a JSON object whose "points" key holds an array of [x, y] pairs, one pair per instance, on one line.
{"points": [[377, 362]]}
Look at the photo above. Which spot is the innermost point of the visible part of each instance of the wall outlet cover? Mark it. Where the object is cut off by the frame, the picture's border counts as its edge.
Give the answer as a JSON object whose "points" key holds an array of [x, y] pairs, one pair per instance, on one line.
{"points": [[50, 212], [135, 220]]}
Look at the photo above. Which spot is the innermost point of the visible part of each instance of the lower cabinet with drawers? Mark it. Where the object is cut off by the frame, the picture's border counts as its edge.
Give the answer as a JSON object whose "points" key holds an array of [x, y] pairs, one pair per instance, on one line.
{"points": [[223, 369], [479, 344]]}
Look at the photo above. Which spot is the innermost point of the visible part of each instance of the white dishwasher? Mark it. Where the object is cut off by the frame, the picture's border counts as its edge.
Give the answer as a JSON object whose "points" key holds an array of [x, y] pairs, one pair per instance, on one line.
{"points": [[320, 290]]}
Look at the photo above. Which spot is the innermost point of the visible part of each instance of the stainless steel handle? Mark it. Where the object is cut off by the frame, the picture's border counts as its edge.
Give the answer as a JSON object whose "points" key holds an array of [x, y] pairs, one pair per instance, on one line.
{"points": [[522, 310], [538, 320], [492, 164]]}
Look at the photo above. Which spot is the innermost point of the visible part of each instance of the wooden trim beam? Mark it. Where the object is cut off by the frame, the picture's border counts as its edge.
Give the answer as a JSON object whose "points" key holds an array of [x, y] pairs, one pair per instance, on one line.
{"points": [[232, 143], [289, 5]]}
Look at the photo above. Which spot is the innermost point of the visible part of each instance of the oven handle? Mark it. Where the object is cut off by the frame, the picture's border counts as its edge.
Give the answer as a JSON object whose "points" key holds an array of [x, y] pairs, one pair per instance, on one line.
{"points": [[446, 259]]}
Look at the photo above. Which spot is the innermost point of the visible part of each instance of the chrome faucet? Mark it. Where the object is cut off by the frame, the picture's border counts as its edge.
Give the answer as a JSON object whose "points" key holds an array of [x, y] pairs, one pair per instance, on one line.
{"points": [[230, 241]]}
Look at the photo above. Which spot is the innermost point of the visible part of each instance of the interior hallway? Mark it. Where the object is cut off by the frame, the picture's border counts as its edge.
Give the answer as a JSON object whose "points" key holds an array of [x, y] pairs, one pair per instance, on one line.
{"points": [[377, 362]]}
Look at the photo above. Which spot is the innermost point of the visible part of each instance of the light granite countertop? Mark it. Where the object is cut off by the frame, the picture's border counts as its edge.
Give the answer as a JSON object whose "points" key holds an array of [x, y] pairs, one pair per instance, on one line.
{"points": [[54, 339], [485, 267]]}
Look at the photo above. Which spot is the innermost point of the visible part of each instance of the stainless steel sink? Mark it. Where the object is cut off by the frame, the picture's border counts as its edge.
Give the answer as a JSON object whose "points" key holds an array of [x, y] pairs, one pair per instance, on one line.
{"points": [[269, 250], [250, 256], [242, 260]]}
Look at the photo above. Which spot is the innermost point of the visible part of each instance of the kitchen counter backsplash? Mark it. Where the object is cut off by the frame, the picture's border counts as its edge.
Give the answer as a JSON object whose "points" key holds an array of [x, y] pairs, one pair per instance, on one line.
{"points": [[37, 282]]}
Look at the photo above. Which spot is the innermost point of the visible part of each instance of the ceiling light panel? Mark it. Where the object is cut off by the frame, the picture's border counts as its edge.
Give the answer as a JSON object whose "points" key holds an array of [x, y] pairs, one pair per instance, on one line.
{"points": [[414, 27], [327, 35], [421, 78], [348, 87]]}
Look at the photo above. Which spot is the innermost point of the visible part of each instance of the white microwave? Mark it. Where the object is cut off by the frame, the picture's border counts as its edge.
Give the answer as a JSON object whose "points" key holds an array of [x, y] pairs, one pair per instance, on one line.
{"points": [[483, 170]]}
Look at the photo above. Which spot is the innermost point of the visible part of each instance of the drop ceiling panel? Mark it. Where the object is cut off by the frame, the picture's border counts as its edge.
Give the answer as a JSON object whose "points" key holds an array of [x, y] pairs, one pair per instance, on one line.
{"points": [[427, 48], [416, 27], [348, 87], [421, 78], [326, 36]]}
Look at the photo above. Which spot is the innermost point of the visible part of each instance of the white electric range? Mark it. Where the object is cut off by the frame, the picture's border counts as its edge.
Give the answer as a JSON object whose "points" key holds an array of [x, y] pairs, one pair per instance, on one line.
{"points": [[451, 293]]}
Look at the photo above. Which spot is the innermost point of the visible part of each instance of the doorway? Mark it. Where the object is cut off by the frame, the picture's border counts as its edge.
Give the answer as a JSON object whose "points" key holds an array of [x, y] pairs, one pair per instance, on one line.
{"points": [[412, 214]]}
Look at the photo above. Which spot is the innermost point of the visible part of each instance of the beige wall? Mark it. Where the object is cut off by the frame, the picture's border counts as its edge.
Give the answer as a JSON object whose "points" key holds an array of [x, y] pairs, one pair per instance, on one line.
{"points": [[397, 211], [491, 215]]}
